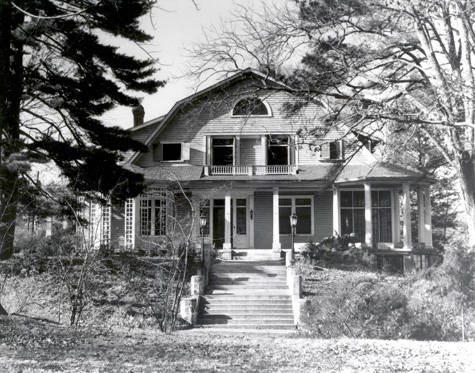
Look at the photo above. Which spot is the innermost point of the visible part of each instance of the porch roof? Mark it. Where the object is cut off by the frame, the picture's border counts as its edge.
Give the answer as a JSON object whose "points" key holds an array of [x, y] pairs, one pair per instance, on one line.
{"points": [[379, 171]]}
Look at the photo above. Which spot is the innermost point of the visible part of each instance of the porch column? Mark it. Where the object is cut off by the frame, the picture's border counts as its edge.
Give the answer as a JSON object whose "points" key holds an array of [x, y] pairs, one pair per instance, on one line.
{"points": [[196, 226], [421, 217], [396, 218], [428, 217], [406, 217], [227, 222], [368, 215], [251, 220], [264, 149], [336, 211], [276, 230]]}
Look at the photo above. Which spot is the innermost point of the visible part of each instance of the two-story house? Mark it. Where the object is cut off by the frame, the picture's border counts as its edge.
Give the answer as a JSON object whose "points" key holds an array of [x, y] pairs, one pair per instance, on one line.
{"points": [[235, 157]]}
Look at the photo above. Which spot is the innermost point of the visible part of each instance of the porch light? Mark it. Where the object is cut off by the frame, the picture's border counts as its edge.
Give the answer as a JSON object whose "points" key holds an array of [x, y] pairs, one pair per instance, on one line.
{"points": [[293, 221], [251, 213], [293, 224], [203, 222]]}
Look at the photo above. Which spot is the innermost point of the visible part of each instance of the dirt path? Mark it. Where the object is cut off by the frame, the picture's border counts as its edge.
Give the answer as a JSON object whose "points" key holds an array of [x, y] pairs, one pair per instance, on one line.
{"points": [[32, 346]]}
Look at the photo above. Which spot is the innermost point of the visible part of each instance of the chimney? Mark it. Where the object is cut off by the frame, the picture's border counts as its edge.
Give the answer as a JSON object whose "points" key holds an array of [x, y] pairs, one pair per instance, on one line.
{"points": [[139, 114]]}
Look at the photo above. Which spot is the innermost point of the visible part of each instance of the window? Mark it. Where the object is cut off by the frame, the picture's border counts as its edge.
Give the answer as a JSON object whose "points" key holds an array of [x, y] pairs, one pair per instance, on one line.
{"points": [[421, 261], [106, 225], [331, 150], [302, 206], [381, 216], [171, 152], [352, 211], [278, 150], [129, 223], [250, 106], [223, 151], [241, 216], [153, 213]]}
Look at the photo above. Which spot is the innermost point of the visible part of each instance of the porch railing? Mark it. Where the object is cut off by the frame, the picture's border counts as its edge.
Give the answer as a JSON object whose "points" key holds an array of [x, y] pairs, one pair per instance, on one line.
{"points": [[251, 170]]}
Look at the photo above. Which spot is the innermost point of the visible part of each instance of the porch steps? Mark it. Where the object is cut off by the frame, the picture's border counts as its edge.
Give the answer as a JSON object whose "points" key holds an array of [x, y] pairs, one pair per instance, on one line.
{"points": [[247, 294], [255, 254]]}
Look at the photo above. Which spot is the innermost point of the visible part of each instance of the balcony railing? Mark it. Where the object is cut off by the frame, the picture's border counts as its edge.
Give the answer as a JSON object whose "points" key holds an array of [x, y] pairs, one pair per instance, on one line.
{"points": [[251, 170]]}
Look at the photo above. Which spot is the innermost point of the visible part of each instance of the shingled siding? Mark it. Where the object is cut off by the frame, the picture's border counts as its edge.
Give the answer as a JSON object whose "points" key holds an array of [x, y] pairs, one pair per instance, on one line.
{"points": [[213, 117], [323, 219]]}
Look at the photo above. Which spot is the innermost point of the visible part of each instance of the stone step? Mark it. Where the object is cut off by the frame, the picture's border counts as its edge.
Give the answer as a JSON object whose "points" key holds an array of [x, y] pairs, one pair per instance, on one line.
{"points": [[246, 316], [251, 309], [251, 283], [218, 268], [263, 262], [243, 320], [249, 286], [247, 326], [277, 299], [247, 275], [242, 291]]}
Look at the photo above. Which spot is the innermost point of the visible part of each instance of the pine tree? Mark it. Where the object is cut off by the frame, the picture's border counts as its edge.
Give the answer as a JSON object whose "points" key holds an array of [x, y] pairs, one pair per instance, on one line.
{"points": [[57, 77]]}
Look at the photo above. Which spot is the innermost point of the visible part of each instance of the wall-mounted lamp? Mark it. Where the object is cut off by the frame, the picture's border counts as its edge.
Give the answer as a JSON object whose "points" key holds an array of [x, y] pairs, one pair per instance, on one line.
{"points": [[251, 213]]}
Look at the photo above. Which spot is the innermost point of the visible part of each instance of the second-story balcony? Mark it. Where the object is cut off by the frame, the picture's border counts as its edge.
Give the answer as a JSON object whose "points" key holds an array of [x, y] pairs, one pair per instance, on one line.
{"points": [[250, 170]]}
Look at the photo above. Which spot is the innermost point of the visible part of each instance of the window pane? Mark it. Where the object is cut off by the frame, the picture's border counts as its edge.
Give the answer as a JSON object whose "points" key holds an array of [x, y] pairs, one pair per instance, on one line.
{"points": [[284, 220], [223, 156], [374, 199], [250, 106], [304, 222], [241, 220], [385, 198], [303, 202], [219, 202], [240, 202], [277, 155], [346, 221], [346, 199], [359, 224], [334, 150], [171, 152], [358, 199], [223, 142], [375, 223], [285, 202], [385, 225]]}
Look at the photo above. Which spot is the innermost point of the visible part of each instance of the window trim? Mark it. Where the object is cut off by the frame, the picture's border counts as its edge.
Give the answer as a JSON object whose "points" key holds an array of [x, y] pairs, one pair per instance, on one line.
{"points": [[268, 107], [293, 197]]}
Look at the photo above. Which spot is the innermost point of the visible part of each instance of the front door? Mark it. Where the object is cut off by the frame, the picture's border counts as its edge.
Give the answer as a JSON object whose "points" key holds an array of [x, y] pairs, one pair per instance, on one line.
{"points": [[239, 225]]}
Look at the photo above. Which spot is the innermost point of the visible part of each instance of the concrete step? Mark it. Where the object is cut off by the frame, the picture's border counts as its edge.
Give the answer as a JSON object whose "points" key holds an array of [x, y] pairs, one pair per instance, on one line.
{"points": [[242, 320], [247, 275], [251, 310], [249, 286], [242, 291], [242, 299], [247, 326], [246, 316], [250, 282], [233, 268]]}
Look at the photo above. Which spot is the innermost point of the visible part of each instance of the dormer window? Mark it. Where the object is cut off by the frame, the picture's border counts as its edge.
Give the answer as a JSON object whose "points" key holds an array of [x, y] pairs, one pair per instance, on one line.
{"points": [[251, 106]]}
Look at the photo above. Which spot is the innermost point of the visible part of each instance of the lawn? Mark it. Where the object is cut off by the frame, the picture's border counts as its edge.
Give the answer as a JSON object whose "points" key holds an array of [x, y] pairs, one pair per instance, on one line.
{"points": [[31, 345]]}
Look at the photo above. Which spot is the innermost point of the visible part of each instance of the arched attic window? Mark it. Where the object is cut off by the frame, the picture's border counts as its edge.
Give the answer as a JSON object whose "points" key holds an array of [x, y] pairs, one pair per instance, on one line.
{"points": [[251, 106]]}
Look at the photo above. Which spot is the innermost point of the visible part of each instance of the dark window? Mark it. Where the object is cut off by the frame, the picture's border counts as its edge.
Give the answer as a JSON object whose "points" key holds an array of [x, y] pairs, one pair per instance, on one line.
{"points": [[278, 150], [302, 207], [331, 150], [171, 152], [223, 152], [250, 106]]}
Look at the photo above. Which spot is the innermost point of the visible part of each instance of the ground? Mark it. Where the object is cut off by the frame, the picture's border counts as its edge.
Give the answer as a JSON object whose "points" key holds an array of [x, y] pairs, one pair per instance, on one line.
{"points": [[31, 345]]}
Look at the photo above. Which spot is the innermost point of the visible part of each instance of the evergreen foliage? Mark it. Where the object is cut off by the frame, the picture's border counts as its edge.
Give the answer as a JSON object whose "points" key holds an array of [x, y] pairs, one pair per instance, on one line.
{"points": [[57, 77]]}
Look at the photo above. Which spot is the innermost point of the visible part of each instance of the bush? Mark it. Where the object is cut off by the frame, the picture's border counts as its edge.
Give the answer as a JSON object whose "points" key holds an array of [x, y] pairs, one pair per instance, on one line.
{"points": [[338, 250]]}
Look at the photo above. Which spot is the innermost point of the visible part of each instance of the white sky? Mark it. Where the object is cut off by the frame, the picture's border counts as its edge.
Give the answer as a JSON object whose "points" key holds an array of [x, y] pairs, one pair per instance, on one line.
{"points": [[177, 24]]}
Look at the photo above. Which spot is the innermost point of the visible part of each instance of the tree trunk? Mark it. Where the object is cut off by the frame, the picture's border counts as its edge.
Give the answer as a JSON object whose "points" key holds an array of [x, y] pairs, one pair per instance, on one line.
{"points": [[466, 175], [11, 74]]}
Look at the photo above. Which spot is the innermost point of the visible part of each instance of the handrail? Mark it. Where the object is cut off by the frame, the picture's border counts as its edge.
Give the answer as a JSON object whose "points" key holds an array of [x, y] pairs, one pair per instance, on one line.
{"points": [[251, 170]]}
